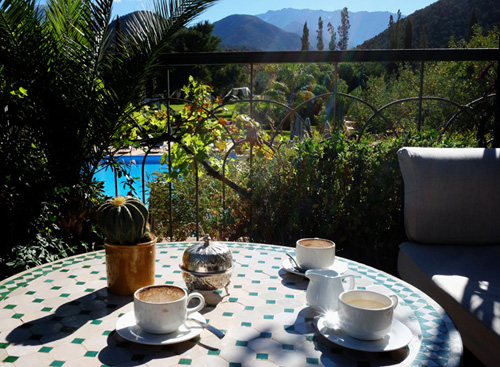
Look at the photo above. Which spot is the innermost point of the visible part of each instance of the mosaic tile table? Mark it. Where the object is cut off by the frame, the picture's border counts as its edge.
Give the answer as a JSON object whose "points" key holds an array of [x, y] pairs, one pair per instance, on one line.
{"points": [[61, 314]]}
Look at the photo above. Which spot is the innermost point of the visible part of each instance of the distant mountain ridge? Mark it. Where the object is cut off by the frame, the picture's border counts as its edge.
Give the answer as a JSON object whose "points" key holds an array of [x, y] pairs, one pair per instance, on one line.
{"points": [[252, 33], [281, 30], [364, 24], [441, 21]]}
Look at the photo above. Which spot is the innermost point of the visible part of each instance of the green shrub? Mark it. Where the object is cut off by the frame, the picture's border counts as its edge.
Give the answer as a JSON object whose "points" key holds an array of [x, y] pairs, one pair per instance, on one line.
{"points": [[349, 192], [345, 191], [62, 227], [225, 223]]}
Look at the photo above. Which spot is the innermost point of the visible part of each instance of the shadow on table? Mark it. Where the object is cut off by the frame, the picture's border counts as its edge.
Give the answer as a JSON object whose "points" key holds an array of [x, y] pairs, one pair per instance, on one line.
{"points": [[68, 318], [333, 354], [293, 281], [122, 352]]}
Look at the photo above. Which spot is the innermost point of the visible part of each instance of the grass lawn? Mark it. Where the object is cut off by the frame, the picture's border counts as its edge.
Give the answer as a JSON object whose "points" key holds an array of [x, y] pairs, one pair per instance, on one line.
{"points": [[224, 114]]}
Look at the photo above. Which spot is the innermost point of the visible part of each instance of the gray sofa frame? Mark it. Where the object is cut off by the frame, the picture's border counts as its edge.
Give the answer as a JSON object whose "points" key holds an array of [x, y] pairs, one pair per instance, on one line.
{"points": [[452, 221]]}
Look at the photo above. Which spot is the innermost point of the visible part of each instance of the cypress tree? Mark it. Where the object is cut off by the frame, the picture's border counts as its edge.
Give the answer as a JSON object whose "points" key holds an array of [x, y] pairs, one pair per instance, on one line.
{"points": [[474, 21], [305, 38], [332, 45], [408, 34], [320, 44], [391, 31], [423, 39], [343, 29], [395, 32]]}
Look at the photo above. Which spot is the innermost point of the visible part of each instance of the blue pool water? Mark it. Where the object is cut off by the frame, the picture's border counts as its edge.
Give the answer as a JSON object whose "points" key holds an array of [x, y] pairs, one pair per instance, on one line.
{"points": [[134, 169]]}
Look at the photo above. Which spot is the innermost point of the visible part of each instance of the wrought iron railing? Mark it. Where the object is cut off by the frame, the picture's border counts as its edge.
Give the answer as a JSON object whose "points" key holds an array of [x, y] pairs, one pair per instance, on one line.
{"points": [[419, 57]]}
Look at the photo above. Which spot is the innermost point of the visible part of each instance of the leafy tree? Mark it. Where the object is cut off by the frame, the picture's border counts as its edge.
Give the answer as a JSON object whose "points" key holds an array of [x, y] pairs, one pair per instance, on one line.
{"points": [[80, 88], [199, 38], [460, 82], [305, 38], [474, 21], [394, 31], [195, 132], [338, 189], [332, 45], [294, 84], [423, 41], [343, 30], [321, 44], [394, 41], [196, 38], [408, 41]]}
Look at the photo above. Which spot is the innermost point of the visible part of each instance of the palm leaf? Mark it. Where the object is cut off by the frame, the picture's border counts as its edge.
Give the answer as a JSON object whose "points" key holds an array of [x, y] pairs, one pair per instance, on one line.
{"points": [[79, 85], [129, 69]]}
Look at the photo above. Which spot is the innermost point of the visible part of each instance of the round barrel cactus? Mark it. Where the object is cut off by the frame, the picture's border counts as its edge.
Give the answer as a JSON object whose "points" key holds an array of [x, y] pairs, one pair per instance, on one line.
{"points": [[123, 220]]}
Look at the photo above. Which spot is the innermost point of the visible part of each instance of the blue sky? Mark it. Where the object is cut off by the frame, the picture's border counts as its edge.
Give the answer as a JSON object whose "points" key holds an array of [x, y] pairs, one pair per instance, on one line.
{"points": [[224, 8]]}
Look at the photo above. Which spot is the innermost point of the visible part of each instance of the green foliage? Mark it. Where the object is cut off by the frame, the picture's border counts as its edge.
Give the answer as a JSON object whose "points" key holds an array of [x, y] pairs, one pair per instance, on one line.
{"points": [[199, 38], [464, 89], [342, 190], [294, 85], [66, 89], [332, 44], [50, 235], [408, 40], [435, 25], [197, 132], [343, 30], [305, 38], [203, 139], [224, 223], [320, 45]]}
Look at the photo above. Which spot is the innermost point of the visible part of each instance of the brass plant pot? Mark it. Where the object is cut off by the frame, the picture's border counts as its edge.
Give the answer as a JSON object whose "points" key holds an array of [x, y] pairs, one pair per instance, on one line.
{"points": [[129, 268]]}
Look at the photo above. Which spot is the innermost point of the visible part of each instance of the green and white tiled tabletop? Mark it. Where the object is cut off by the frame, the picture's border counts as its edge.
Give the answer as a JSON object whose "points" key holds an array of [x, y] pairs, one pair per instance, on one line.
{"points": [[61, 314]]}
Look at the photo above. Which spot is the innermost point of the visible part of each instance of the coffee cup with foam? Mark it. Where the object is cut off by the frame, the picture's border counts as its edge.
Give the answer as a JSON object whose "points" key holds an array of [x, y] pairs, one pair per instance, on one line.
{"points": [[315, 253], [161, 309]]}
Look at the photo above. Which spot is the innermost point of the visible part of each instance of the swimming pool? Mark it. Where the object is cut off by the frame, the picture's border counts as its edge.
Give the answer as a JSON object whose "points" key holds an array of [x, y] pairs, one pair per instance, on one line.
{"points": [[134, 169]]}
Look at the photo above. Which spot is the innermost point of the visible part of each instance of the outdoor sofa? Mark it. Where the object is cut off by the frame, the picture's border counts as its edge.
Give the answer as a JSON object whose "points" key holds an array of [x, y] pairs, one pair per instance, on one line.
{"points": [[452, 221]]}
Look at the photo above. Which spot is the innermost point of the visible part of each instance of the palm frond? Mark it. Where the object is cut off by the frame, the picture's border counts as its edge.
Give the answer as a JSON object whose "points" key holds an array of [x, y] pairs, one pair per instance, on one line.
{"points": [[19, 30], [163, 19], [79, 84], [129, 68]]}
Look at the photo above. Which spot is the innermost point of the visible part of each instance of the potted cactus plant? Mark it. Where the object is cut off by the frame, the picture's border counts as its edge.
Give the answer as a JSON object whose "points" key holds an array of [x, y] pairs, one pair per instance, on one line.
{"points": [[130, 247]]}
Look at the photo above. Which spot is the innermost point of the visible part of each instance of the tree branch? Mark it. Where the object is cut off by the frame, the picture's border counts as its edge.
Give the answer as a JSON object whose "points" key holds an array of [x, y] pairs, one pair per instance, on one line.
{"points": [[211, 171]]}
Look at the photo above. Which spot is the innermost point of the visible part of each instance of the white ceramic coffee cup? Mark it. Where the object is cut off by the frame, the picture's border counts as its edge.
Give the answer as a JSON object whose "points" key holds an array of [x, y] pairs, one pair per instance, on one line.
{"points": [[365, 314], [161, 309], [315, 253]]}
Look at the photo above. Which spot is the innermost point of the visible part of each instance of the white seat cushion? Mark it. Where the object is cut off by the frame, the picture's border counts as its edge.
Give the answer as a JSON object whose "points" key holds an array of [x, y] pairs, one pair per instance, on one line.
{"points": [[452, 195], [465, 281]]}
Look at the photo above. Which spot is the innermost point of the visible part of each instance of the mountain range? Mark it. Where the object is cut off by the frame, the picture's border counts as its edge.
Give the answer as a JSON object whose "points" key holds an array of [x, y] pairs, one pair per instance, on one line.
{"points": [[433, 26], [280, 30], [364, 24], [251, 33]]}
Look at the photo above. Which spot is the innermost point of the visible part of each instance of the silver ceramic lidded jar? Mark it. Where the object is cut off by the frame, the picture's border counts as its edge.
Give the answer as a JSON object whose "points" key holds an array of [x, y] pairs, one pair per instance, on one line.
{"points": [[207, 266]]}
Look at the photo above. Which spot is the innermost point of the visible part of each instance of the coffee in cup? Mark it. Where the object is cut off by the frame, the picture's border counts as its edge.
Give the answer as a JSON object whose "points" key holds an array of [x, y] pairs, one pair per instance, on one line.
{"points": [[161, 309], [366, 315], [315, 253]]}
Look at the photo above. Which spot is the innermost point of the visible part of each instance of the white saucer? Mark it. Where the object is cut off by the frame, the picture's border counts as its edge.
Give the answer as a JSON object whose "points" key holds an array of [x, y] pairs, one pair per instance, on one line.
{"points": [[399, 336], [339, 266], [127, 329]]}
